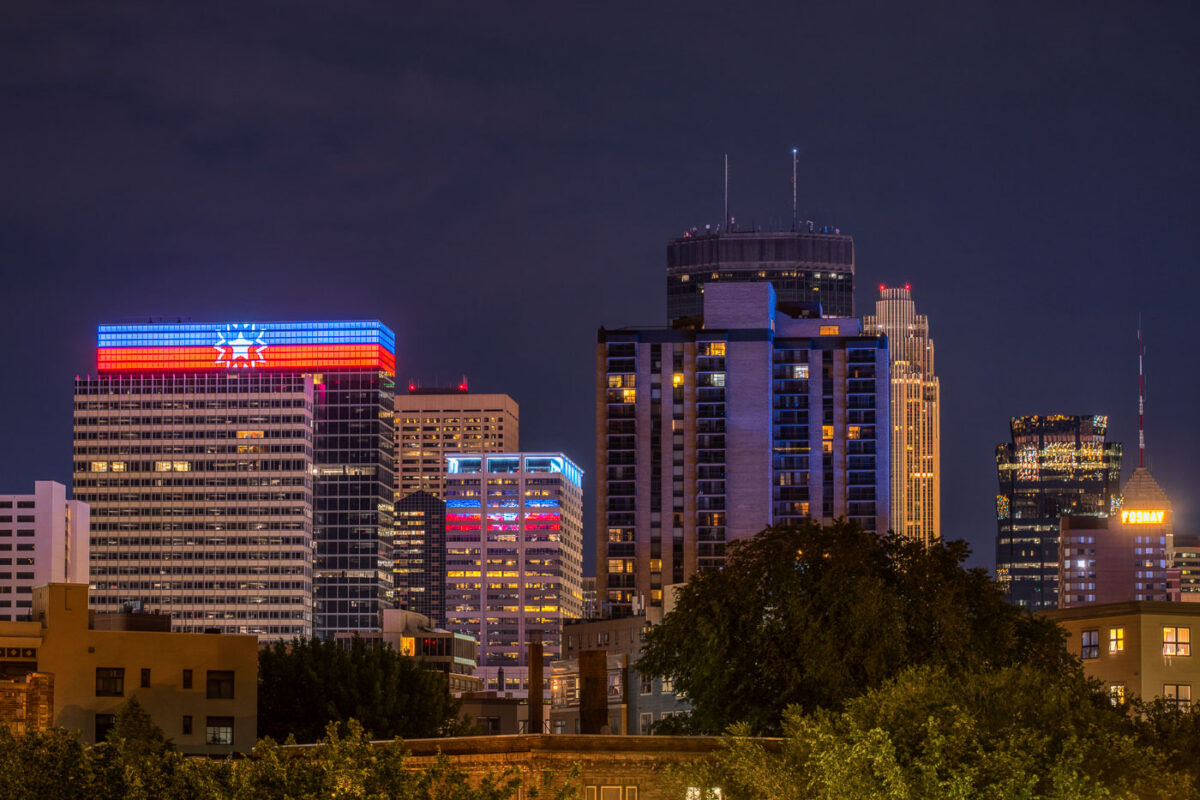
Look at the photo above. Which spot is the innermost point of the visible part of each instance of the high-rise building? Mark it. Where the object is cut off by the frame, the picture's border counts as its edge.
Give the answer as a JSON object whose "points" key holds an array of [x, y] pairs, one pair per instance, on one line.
{"points": [[434, 423], [514, 558], [219, 459], [706, 435], [915, 416], [1055, 466], [43, 539], [420, 557], [803, 266]]}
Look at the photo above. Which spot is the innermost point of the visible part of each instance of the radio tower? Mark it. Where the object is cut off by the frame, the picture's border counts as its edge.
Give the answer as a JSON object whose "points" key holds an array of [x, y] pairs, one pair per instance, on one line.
{"points": [[1141, 400]]}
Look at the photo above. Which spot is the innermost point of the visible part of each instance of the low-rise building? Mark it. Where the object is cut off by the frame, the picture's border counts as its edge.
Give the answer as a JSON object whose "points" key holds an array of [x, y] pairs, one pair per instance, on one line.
{"points": [[1141, 649], [634, 701], [201, 689], [610, 767]]}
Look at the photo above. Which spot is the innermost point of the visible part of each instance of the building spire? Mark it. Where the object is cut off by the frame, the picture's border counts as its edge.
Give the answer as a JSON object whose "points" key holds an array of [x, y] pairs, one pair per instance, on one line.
{"points": [[1141, 400]]}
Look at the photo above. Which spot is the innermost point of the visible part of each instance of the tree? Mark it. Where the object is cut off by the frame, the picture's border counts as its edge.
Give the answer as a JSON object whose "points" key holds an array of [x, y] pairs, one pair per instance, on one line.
{"points": [[996, 734], [813, 616], [307, 683]]}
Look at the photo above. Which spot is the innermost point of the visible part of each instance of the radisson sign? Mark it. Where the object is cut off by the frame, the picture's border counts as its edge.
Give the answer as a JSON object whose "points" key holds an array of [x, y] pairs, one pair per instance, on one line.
{"points": [[1142, 517]]}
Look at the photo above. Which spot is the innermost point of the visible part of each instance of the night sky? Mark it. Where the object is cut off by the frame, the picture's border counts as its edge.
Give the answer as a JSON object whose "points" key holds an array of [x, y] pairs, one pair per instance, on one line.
{"points": [[496, 181]]}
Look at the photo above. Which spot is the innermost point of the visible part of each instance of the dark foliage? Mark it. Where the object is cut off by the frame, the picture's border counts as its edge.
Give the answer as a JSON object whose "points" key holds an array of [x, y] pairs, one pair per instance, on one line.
{"points": [[812, 616], [307, 683]]}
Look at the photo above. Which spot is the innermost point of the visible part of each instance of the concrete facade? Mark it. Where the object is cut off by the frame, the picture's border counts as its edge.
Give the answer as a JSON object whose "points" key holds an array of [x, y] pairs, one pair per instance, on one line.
{"points": [[434, 423], [44, 538], [1141, 649], [201, 689]]}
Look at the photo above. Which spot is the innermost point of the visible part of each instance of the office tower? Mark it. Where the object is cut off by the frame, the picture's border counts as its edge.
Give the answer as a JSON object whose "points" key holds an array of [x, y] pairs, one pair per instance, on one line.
{"points": [[514, 557], [705, 435], [916, 446], [219, 458], [420, 558], [43, 539], [1055, 466], [434, 423], [1121, 558], [802, 266]]}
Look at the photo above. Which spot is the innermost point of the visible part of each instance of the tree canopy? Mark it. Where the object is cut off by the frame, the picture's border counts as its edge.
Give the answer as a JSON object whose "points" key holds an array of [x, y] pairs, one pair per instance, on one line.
{"points": [[813, 616], [307, 683], [990, 735], [137, 762]]}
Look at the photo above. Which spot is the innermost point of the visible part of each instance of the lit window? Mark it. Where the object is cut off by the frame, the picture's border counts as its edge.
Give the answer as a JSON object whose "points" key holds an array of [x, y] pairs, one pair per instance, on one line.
{"points": [[162, 466], [718, 379], [826, 431], [677, 379], [1177, 641], [1090, 644], [118, 466], [1116, 693], [853, 432], [629, 395], [249, 434], [800, 371], [99, 466], [1116, 640]]}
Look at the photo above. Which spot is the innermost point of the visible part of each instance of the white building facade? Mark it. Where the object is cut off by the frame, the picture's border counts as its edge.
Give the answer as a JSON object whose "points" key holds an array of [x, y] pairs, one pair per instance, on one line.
{"points": [[43, 539]]}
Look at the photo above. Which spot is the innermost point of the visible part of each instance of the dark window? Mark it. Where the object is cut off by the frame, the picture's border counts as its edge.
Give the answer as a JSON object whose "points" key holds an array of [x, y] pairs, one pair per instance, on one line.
{"points": [[218, 730], [187, 679], [145, 678], [1090, 644], [104, 724], [187, 725], [220, 684], [110, 682]]}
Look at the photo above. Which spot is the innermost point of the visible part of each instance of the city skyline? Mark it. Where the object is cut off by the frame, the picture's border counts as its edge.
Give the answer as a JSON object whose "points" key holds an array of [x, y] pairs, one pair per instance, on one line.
{"points": [[1034, 198]]}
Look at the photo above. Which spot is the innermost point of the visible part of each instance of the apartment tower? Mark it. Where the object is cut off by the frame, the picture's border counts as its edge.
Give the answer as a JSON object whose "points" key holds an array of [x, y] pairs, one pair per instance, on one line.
{"points": [[514, 558], [241, 475], [915, 416], [765, 413]]}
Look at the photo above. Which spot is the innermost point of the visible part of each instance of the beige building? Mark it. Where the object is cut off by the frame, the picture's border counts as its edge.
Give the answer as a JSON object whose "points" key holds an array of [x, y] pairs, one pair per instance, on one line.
{"points": [[1137, 649], [201, 689], [915, 416], [434, 423]]}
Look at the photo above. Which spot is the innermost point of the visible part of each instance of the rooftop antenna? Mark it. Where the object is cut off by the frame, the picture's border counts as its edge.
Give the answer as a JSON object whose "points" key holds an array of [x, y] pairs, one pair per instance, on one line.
{"points": [[1141, 400], [795, 219], [726, 220]]}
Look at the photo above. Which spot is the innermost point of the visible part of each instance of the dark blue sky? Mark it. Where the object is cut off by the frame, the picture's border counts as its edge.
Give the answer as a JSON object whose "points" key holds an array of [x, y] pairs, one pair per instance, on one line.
{"points": [[495, 181]]}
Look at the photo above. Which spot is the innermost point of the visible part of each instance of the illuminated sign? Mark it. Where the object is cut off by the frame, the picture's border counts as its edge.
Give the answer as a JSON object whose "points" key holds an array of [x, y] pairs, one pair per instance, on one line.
{"points": [[829, 330], [246, 345], [1142, 517]]}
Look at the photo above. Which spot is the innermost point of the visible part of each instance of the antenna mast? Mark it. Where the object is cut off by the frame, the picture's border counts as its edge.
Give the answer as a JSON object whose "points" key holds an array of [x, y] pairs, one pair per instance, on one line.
{"points": [[1141, 400], [726, 220], [795, 221]]}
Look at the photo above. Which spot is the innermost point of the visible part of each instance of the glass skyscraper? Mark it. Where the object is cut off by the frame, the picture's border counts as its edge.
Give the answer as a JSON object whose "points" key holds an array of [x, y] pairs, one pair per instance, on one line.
{"points": [[1055, 466]]}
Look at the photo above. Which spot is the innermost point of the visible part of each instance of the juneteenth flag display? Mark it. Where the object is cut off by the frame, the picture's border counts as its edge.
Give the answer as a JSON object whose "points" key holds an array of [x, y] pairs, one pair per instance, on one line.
{"points": [[188, 346]]}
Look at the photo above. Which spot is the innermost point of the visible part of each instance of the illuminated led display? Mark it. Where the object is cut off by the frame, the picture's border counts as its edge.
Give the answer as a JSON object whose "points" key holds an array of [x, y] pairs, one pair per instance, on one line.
{"points": [[1142, 517], [248, 345]]}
